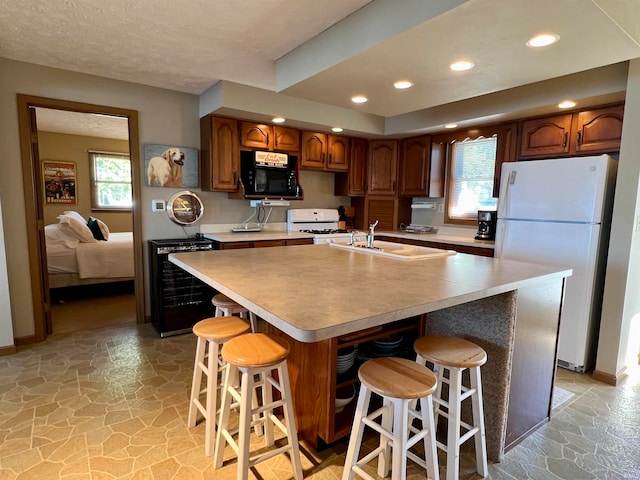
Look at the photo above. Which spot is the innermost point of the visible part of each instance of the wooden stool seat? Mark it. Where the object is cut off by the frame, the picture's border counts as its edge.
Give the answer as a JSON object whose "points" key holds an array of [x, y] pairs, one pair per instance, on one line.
{"points": [[400, 383], [223, 305], [381, 376], [221, 328], [255, 351], [254, 354], [221, 300], [450, 351], [212, 333], [457, 355]]}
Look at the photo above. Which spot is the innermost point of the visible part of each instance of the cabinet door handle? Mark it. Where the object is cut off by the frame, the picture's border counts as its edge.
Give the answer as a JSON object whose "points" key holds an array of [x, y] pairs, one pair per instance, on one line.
{"points": [[267, 139], [564, 140], [579, 138]]}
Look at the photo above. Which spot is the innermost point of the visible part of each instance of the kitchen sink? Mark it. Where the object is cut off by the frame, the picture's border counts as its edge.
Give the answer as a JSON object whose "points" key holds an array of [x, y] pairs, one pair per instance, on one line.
{"points": [[395, 250]]}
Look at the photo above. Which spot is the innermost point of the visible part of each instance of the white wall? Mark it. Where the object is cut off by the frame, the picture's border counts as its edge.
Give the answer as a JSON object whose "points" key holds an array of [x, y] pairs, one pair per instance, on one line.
{"points": [[6, 327], [621, 301], [164, 117]]}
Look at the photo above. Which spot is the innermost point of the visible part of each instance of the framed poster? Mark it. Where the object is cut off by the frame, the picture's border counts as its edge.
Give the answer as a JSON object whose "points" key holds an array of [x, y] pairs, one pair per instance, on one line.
{"points": [[59, 181]]}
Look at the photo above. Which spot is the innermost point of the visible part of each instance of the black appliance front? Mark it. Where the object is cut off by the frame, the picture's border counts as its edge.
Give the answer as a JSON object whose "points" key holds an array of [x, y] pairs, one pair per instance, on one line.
{"points": [[263, 180], [486, 225], [178, 299]]}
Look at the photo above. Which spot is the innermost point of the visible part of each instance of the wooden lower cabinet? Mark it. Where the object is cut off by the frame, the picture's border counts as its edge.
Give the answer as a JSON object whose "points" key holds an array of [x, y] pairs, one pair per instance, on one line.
{"points": [[481, 251], [313, 377], [261, 243]]}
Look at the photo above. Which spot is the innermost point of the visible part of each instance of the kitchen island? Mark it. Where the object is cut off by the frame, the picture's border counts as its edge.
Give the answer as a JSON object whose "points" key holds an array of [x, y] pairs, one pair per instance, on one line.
{"points": [[319, 296]]}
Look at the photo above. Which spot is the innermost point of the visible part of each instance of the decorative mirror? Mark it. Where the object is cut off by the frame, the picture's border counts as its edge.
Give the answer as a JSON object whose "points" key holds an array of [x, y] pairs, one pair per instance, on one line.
{"points": [[185, 208]]}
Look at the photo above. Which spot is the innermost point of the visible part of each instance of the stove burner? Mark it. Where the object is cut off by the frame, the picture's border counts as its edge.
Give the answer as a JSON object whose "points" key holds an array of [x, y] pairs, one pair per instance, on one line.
{"points": [[326, 231]]}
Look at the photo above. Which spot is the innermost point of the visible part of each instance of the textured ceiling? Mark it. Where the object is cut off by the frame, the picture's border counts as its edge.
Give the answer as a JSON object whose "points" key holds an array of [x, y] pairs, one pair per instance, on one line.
{"points": [[325, 51]]}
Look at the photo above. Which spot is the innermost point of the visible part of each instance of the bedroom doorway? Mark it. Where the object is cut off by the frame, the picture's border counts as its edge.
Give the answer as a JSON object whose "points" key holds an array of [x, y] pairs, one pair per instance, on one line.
{"points": [[28, 108]]}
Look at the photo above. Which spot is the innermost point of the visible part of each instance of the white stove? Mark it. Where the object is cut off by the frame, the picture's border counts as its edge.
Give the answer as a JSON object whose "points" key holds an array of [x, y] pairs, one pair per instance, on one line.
{"points": [[322, 223]]}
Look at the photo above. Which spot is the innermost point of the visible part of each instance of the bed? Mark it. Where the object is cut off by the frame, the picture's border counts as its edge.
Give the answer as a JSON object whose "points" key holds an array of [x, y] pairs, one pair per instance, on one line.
{"points": [[75, 257]]}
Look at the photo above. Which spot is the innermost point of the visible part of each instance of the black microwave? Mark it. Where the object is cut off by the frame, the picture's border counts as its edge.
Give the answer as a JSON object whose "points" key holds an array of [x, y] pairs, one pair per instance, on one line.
{"points": [[269, 174]]}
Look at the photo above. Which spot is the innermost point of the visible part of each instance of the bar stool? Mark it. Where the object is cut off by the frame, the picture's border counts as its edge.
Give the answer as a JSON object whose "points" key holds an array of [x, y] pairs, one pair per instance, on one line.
{"points": [[212, 333], [457, 355], [251, 354], [223, 305], [399, 382]]}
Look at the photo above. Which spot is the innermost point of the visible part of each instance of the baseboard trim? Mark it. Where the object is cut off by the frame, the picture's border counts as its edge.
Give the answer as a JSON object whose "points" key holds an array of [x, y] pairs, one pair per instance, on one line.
{"points": [[609, 378], [8, 350], [21, 341]]}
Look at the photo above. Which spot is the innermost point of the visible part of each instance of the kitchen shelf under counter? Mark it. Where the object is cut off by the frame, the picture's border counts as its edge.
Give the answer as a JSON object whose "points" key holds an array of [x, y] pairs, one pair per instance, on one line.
{"points": [[315, 294]]}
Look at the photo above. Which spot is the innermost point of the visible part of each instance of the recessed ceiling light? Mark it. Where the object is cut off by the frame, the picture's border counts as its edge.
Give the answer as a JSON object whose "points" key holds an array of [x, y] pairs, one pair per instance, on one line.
{"points": [[567, 104], [461, 65], [451, 125], [277, 120], [543, 40], [403, 84], [336, 129], [359, 99]]}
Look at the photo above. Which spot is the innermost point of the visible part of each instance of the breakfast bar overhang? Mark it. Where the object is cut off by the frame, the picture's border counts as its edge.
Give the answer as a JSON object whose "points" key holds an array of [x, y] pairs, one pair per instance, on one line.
{"points": [[314, 293]]}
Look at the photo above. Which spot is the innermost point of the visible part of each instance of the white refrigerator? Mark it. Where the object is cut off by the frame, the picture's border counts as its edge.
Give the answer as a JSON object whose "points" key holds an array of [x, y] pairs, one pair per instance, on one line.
{"points": [[558, 212]]}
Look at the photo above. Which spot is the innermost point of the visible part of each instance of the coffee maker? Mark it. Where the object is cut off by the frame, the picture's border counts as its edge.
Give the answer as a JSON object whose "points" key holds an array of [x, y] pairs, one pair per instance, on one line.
{"points": [[486, 225]]}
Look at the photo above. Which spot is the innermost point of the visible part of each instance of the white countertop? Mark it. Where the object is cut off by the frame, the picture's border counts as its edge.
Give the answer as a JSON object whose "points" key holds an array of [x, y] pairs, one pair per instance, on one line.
{"points": [[315, 292]]}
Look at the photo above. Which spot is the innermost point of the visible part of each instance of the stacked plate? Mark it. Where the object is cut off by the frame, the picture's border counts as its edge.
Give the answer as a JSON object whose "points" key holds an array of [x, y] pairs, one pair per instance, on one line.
{"points": [[345, 359], [389, 346]]}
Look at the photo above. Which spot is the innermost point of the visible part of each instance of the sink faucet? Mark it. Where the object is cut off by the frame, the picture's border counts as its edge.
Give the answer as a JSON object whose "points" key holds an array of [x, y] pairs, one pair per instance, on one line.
{"points": [[371, 234]]}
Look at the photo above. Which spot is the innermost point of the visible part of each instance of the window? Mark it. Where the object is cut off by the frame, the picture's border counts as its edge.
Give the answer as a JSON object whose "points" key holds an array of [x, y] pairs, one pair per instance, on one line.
{"points": [[110, 181], [471, 182]]}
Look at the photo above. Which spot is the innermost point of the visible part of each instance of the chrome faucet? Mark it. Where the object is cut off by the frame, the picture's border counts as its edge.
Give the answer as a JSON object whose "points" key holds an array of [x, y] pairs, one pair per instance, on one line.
{"points": [[371, 234]]}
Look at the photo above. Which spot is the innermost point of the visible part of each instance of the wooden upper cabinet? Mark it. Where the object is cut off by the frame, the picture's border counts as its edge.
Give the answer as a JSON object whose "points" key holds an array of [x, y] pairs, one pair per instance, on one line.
{"points": [[599, 130], [313, 154], [219, 169], [338, 150], [505, 152], [354, 182], [415, 167], [437, 169], [269, 137], [545, 136], [382, 167], [594, 131], [324, 152]]}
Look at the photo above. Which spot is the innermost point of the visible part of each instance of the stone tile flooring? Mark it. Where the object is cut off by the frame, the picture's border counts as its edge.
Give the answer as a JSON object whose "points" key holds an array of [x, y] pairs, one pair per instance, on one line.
{"points": [[111, 403]]}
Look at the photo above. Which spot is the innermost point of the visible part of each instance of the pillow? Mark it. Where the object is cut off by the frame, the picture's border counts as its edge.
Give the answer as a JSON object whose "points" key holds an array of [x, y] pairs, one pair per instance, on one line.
{"points": [[98, 228], [73, 227], [55, 236], [76, 215]]}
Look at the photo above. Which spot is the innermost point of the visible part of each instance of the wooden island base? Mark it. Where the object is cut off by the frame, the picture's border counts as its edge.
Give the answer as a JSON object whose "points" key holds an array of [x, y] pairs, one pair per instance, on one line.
{"points": [[518, 330]]}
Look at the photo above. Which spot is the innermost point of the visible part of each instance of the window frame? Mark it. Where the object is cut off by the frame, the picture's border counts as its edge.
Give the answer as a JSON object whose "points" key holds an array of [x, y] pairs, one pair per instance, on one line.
{"points": [[505, 152], [95, 204]]}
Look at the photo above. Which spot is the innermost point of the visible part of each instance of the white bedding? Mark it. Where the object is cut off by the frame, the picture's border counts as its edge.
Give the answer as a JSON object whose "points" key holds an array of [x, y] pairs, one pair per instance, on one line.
{"points": [[100, 259]]}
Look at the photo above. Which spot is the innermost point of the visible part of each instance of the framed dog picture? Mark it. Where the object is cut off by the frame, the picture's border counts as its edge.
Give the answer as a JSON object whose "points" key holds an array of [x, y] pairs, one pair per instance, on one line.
{"points": [[170, 166], [59, 182]]}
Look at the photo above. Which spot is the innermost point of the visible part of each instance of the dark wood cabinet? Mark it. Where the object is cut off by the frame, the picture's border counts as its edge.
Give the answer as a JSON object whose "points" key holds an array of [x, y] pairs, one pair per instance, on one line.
{"points": [[354, 183], [483, 251], [599, 130], [269, 137], [390, 212], [595, 131], [415, 167], [324, 152], [382, 167], [261, 243], [219, 168]]}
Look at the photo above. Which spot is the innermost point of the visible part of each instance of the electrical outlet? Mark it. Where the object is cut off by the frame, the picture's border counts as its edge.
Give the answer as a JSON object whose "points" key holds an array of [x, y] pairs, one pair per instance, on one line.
{"points": [[441, 208]]}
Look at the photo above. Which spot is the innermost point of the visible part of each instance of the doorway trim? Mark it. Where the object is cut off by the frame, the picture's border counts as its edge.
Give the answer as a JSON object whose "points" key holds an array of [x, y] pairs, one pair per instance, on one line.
{"points": [[34, 204]]}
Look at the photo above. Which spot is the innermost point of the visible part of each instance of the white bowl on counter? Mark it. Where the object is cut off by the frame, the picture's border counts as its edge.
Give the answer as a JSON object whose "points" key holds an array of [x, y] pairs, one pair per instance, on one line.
{"points": [[344, 396]]}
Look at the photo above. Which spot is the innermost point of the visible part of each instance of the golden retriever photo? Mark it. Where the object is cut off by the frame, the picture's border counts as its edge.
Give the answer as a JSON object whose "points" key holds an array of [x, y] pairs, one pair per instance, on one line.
{"points": [[169, 166]]}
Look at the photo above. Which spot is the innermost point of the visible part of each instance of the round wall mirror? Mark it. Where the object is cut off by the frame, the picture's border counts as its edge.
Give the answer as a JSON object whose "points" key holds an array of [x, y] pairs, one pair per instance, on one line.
{"points": [[185, 208]]}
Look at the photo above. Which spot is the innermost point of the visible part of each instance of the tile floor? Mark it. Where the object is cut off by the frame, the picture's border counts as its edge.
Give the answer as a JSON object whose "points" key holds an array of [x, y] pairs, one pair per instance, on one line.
{"points": [[110, 402]]}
